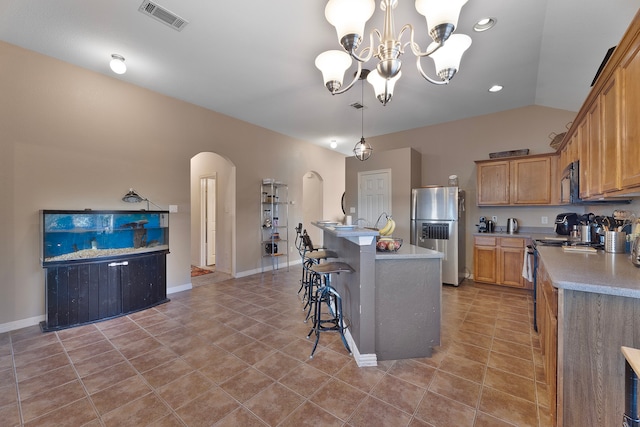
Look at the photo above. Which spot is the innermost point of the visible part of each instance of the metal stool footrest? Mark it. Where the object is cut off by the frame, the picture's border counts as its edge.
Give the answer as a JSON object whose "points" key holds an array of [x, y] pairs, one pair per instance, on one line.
{"points": [[335, 323]]}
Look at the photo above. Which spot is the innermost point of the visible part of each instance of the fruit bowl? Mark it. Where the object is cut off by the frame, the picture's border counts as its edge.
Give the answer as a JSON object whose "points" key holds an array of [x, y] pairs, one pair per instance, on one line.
{"points": [[388, 244]]}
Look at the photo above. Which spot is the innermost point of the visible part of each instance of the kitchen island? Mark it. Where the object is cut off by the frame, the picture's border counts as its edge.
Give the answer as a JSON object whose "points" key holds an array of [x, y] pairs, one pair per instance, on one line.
{"points": [[392, 300], [596, 299]]}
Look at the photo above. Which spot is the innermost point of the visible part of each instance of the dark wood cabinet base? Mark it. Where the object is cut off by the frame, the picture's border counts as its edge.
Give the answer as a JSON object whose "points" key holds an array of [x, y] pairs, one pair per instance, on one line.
{"points": [[81, 293]]}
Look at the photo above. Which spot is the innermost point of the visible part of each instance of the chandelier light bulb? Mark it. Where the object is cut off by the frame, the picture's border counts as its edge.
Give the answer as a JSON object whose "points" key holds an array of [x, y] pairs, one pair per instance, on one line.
{"points": [[442, 16], [333, 64], [383, 88], [349, 18], [448, 57], [117, 64]]}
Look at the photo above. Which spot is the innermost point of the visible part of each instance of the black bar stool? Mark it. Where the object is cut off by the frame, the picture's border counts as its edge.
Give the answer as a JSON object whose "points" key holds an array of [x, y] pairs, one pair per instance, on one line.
{"points": [[325, 294], [311, 257]]}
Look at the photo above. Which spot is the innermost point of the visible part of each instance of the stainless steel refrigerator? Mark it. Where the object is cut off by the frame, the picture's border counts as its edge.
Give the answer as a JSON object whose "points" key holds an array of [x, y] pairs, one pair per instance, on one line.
{"points": [[437, 222]]}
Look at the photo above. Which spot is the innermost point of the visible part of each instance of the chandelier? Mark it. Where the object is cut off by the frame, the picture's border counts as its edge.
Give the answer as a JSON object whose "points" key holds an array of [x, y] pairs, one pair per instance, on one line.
{"points": [[350, 16]]}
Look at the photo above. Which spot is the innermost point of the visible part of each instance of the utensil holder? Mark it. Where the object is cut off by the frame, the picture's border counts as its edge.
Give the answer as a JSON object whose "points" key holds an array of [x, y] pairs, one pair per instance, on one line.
{"points": [[615, 242]]}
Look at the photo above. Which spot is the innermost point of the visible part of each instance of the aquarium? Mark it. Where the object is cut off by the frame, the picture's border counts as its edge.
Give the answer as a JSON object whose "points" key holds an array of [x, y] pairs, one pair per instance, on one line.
{"points": [[69, 236]]}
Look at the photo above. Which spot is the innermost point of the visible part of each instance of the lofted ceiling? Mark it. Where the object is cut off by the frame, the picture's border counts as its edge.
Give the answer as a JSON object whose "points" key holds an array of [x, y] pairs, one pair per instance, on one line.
{"points": [[254, 60]]}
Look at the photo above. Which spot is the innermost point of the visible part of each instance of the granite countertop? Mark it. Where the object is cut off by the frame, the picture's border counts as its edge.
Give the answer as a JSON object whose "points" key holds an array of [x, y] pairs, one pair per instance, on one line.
{"points": [[407, 251], [356, 231], [600, 272]]}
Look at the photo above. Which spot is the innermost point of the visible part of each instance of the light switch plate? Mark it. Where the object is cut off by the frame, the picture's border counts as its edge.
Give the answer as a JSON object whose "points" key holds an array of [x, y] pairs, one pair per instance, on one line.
{"points": [[173, 208], [352, 210]]}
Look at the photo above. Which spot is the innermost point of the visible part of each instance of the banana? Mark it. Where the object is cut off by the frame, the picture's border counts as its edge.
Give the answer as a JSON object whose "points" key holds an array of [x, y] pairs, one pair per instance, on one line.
{"points": [[388, 228], [392, 228], [383, 231]]}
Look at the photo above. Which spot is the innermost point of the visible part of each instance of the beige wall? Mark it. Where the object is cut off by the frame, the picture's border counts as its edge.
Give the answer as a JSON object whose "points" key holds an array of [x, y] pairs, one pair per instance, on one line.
{"points": [[75, 139]]}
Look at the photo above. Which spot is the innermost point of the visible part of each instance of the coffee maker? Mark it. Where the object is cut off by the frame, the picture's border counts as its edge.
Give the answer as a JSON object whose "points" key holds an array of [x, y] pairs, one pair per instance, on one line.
{"points": [[482, 225]]}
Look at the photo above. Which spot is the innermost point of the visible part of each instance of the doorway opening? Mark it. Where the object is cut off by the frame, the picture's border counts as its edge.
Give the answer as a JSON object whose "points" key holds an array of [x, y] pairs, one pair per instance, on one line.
{"points": [[208, 222], [213, 213]]}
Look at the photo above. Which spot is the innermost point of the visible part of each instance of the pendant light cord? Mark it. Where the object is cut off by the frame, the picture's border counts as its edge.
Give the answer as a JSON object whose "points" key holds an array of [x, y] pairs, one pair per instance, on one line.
{"points": [[362, 103]]}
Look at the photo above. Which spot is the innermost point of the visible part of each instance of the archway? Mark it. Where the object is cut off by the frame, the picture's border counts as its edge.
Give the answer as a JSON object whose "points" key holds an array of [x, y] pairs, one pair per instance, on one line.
{"points": [[204, 167]]}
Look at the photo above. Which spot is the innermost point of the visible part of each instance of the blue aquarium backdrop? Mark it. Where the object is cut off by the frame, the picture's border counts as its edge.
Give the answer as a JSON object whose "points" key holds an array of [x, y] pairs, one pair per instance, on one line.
{"points": [[65, 232]]}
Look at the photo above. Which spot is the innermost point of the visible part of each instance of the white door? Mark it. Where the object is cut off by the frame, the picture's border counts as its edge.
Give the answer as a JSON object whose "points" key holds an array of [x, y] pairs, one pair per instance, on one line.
{"points": [[211, 221], [374, 195], [208, 215]]}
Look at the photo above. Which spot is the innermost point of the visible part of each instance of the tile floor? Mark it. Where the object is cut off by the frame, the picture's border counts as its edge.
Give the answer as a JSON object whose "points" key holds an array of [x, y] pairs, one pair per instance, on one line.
{"points": [[234, 353]]}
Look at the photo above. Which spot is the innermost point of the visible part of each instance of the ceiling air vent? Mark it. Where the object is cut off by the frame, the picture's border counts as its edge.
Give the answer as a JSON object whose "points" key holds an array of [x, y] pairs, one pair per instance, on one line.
{"points": [[161, 14]]}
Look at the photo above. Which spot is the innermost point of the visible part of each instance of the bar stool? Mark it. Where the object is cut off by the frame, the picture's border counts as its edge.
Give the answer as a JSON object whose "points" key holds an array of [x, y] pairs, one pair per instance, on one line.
{"points": [[310, 257], [325, 294]]}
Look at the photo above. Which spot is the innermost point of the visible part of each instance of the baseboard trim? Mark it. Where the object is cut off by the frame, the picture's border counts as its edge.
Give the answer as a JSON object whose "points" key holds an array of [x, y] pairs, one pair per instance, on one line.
{"points": [[175, 289], [19, 324], [361, 359]]}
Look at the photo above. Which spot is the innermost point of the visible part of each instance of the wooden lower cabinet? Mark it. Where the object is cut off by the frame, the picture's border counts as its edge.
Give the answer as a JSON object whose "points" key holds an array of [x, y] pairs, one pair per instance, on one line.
{"points": [[80, 293], [485, 260], [547, 321], [498, 260]]}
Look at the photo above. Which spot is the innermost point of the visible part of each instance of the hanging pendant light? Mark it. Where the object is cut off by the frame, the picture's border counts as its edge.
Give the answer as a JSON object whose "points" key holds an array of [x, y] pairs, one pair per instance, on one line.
{"points": [[363, 149]]}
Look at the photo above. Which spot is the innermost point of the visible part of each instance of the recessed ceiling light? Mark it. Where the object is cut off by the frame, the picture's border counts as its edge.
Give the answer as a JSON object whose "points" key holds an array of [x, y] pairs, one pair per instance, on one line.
{"points": [[484, 24], [495, 88], [117, 64]]}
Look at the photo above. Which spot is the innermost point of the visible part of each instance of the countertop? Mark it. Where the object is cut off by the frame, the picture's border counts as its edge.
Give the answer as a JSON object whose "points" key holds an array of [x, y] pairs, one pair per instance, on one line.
{"points": [[407, 251], [600, 272], [357, 231]]}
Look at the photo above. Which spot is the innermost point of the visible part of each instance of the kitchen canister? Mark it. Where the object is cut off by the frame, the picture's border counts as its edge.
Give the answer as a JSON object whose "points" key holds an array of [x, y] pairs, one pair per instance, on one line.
{"points": [[615, 242]]}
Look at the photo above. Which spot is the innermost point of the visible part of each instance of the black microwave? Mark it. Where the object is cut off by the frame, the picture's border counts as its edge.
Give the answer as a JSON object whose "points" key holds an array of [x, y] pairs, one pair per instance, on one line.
{"points": [[570, 184], [570, 188]]}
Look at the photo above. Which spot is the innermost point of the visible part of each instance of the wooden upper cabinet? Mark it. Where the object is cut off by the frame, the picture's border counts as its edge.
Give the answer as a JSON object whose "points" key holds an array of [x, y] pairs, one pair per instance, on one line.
{"points": [[583, 155], [630, 119], [594, 142], [531, 181], [610, 132], [493, 183], [606, 130], [518, 181]]}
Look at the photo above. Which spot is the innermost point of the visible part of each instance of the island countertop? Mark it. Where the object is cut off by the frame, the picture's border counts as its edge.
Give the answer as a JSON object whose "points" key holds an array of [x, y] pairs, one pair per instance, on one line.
{"points": [[407, 251], [340, 230], [600, 272]]}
